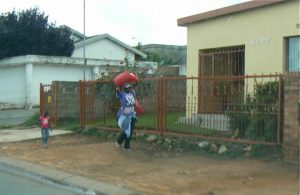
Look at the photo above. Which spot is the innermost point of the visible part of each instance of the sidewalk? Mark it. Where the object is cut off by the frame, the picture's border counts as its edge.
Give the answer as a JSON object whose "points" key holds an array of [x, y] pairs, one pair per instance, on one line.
{"points": [[13, 135], [48, 175]]}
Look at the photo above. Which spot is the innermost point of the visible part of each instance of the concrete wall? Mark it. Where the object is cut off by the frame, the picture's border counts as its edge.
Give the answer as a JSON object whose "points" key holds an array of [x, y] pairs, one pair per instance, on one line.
{"points": [[291, 136], [68, 100]]}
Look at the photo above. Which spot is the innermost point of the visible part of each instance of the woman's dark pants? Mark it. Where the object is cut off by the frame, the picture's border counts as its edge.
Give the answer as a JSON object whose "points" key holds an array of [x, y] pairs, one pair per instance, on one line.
{"points": [[122, 136]]}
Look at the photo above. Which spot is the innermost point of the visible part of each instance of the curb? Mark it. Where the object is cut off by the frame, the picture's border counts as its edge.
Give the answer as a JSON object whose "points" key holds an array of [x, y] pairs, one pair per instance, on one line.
{"points": [[60, 179]]}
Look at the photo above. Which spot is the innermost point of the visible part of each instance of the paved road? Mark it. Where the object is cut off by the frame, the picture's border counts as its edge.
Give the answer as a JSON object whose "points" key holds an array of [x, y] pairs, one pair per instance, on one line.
{"points": [[48, 175], [14, 185]]}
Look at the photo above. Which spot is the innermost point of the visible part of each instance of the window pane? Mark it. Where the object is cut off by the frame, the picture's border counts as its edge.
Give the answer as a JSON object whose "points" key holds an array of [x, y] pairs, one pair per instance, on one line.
{"points": [[294, 54]]}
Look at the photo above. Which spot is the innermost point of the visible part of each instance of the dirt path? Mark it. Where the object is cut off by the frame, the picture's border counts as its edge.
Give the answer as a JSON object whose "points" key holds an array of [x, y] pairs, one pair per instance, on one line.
{"points": [[158, 172]]}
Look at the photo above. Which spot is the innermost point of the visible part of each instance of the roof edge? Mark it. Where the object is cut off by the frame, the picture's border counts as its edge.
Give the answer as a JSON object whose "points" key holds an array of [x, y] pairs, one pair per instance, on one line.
{"points": [[225, 10], [108, 36], [54, 60]]}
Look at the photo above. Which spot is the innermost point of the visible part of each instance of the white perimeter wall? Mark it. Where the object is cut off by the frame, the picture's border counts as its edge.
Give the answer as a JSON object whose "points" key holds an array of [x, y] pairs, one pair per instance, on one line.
{"points": [[12, 87], [20, 91]]}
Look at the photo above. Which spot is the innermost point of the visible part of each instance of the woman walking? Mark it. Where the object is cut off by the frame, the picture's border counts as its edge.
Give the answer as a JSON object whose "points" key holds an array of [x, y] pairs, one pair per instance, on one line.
{"points": [[126, 115]]}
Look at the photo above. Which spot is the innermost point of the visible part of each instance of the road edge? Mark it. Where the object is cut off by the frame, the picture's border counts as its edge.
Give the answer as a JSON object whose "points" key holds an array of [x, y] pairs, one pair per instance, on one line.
{"points": [[61, 179]]}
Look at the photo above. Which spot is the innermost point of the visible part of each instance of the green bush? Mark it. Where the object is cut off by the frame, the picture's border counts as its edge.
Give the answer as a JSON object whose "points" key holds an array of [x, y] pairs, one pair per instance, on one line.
{"points": [[257, 118]]}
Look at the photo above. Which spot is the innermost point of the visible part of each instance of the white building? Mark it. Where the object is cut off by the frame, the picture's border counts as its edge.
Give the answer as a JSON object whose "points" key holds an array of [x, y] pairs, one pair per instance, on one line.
{"points": [[21, 76], [107, 47]]}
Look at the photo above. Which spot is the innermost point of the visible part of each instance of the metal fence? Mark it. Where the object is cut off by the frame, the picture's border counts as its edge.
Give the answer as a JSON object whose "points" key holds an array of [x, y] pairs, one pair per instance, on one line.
{"points": [[236, 109], [48, 101]]}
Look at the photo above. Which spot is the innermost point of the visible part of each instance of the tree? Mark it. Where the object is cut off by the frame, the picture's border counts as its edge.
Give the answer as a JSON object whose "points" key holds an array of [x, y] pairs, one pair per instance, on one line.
{"points": [[28, 32]]}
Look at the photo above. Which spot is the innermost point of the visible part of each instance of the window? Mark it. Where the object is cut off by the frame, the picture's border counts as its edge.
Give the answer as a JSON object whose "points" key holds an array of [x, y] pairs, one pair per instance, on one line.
{"points": [[293, 56], [215, 95]]}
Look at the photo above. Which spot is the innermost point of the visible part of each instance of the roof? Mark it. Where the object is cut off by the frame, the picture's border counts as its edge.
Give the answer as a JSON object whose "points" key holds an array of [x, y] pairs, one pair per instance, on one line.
{"points": [[226, 10], [92, 39]]}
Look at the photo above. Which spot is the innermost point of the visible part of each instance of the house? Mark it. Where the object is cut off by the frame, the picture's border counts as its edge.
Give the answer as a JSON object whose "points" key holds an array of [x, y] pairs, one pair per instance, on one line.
{"points": [[255, 37], [22, 75], [104, 46], [264, 36]]}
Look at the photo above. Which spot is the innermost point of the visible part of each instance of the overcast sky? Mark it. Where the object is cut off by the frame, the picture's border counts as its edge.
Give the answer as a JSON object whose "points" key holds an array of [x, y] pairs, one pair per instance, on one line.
{"points": [[130, 21]]}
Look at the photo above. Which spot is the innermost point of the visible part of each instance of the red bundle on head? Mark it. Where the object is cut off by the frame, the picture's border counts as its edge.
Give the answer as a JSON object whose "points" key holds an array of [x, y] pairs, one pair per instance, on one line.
{"points": [[125, 77]]}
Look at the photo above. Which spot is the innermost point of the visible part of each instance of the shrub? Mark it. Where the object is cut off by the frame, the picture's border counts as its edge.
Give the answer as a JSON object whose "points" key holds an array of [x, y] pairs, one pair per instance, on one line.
{"points": [[257, 117]]}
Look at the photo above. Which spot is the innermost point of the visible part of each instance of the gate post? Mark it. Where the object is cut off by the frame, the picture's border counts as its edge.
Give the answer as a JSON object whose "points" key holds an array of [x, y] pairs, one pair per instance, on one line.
{"points": [[279, 119], [56, 89], [164, 103], [41, 99], [81, 99], [161, 105], [280, 113], [158, 117]]}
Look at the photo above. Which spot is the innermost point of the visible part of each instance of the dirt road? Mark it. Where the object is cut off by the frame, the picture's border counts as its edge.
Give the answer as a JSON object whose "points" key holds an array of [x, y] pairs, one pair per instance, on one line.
{"points": [[151, 171]]}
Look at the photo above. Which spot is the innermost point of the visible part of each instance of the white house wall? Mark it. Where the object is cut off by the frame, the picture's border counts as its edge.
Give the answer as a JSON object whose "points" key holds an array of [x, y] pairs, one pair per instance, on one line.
{"points": [[104, 49], [12, 88], [262, 31]]}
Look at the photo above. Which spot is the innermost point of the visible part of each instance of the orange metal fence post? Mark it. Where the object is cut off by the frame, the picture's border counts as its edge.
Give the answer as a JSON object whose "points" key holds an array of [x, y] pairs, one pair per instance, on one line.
{"points": [[56, 104], [41, 98], [158, 105], [92, 103], [279, 110], [164, 104]]}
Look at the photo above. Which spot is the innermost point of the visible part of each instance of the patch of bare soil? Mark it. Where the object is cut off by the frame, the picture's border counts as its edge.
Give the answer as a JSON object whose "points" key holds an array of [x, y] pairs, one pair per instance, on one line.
{"points": [[152, 171]]}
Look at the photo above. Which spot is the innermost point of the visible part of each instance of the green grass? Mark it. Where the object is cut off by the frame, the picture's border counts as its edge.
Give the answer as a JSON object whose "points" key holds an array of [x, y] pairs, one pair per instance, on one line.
{"points": [[149, 122], [6, 126], [69, 125], [33, 121], [146, 121]]}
